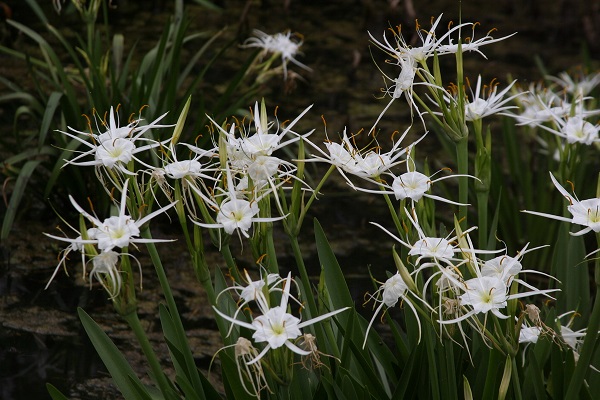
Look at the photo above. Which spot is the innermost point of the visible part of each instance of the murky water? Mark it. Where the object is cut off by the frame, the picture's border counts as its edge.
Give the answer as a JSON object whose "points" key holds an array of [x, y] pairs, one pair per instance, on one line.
{"points": [[40, 336]]}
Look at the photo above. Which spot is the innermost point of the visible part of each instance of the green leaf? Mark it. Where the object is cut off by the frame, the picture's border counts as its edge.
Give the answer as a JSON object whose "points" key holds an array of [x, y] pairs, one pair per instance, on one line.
{"points": [[569, 267], [230, 374], [354, 325], [467, 389], [208, 5], [17, 196], [534, 376], [118, 367], [177, 346], [51, 107], [182, 374], [37, 10], [55, 393], [363, 370], [505, 382], [336, 282]]}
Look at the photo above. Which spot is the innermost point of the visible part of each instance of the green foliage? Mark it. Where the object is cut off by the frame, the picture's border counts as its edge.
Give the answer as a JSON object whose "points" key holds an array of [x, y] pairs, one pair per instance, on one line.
{"points": [[454, 313], [100, 75]]}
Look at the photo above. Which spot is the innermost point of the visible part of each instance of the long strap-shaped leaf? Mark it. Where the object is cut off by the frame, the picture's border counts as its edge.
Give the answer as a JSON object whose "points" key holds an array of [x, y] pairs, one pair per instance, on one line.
{"points": [[118, 367]]}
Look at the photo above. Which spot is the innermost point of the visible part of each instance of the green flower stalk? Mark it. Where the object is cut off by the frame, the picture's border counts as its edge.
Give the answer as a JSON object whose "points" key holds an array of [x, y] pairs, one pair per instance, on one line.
{"points": [[483, 173]]}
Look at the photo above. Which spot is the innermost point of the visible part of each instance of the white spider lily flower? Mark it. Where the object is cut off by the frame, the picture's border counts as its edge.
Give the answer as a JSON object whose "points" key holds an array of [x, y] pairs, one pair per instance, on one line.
{"points": [[579, 86], [388, 294], [183, 169], [538, 104], [76, 245], [190, 172], [427, 247], [235, 213], [529, 334], [404, 85], [430, 247], [440, 249], [549, 107], [584, 212], [568, 121], [106, 272], [408, 56], [484, 294], [116, 231], [261, 143], [116, 146], [472, 44], [263, 167], [254, 291], [502, 267], [431, 43], [245, 352], [276, 327], [279, 43], [365, 164], [252, 154], [507, 268], [482, 105], [414, 185], [572, 338], [577, 130]]}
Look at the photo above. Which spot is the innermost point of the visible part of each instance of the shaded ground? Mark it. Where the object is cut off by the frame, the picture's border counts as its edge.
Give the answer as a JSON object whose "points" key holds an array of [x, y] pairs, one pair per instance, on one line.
{"points": [[40, 337]]}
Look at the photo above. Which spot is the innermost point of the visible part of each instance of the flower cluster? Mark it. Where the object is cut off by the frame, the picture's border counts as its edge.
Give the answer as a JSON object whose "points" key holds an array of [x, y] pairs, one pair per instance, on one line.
{"points": [[238, 183], [273, 326], [563, 108], [118, 231], [413, 60], [463, 285], [285, 45]]}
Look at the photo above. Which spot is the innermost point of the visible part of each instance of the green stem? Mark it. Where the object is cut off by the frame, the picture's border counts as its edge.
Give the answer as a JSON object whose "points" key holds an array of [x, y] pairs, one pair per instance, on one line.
{"points": [[133, 321], [273, 265], [462, 157], [430, 344], [482, 214], [312, 305], [392, 212], [312, 198], [174, 313], [200, 265], [516, 383], [231, 265], [495, 360]]}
